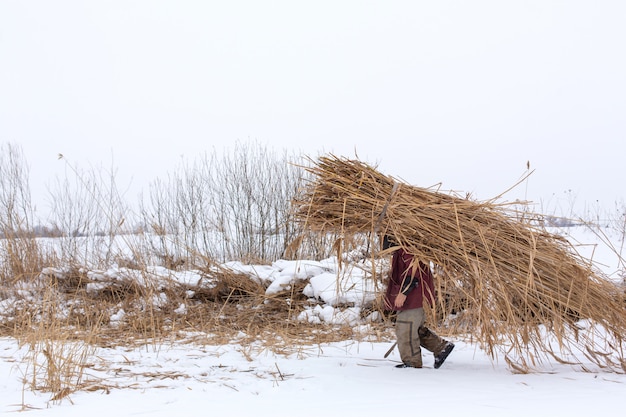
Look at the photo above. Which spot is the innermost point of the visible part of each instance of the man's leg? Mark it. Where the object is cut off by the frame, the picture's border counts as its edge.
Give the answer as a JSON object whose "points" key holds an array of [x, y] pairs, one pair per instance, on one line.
{"points": [[408, 323], [440, 347], [430, 340]]}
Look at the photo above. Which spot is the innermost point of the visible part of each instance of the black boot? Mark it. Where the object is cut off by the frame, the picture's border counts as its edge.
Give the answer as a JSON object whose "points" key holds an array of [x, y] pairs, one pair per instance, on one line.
{"points": [[441, 357], [406, 365]]}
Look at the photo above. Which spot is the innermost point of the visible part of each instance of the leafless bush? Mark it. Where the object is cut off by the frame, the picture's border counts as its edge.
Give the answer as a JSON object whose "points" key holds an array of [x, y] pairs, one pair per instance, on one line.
{"points": [[253, 188], [233, 206], [88, 209], [617, 223], [19, 253]]}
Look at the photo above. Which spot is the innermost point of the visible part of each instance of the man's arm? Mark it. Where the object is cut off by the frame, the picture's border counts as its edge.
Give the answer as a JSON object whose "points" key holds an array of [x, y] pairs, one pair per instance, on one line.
{"points": [[408, 284]]}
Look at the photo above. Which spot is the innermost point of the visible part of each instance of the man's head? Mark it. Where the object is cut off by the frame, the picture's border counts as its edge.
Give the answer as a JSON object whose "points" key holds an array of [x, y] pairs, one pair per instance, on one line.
{"points": [[388, 242]]}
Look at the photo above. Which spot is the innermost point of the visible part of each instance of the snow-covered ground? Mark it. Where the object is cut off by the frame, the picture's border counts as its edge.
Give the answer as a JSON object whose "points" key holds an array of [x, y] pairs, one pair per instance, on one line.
{"points": [[349, 377], [345, 378]]}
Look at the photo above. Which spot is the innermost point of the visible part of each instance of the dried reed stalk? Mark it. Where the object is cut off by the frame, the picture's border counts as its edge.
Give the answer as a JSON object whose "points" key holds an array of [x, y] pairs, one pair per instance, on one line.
{"points": [[517, 287]]}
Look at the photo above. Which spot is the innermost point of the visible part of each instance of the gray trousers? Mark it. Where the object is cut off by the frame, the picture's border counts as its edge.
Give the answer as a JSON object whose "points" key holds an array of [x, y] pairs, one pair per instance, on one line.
{"points": [[412, 335]]}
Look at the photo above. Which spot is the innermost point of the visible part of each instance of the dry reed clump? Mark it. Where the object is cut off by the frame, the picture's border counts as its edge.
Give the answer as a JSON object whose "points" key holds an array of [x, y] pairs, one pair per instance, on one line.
{"points": [[138, 307], [64, 314], [513, 286]]}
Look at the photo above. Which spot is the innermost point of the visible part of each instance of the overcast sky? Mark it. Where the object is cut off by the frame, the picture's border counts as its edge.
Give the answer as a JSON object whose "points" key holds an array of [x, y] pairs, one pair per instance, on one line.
{"points": [[459, 92]]}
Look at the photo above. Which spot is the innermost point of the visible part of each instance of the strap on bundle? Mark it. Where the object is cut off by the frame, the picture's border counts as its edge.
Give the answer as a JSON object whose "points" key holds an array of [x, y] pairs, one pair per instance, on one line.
{"points": [[382, 214]]}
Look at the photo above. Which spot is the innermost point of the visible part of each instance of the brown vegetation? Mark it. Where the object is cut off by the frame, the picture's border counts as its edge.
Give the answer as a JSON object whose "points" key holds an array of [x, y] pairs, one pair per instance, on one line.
{"points": [[515, 286]]}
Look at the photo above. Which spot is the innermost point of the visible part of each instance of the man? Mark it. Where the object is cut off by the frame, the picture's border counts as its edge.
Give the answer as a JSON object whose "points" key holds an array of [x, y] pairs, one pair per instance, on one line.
{"points": [[410, 283]]}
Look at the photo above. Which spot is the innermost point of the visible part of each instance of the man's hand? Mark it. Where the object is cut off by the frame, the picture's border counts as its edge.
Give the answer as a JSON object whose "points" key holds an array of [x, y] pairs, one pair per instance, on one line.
{"points": [[400, 299]]}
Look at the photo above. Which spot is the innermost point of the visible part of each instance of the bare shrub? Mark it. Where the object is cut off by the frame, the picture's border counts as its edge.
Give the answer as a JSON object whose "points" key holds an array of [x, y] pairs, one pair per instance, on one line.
{"points": [[253, 188], [234, 206], [617, 223], [89, 211], [19, 252]]}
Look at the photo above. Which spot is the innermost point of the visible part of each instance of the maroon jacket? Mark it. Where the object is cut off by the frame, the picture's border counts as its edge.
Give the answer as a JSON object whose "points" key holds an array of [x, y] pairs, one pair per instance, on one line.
{"points": [[415, 281]]}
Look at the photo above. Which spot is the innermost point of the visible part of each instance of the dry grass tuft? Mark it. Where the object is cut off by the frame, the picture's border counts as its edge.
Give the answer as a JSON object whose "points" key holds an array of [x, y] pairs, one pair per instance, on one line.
{"points": [[512, 285], [223, 306], [64, 314]]}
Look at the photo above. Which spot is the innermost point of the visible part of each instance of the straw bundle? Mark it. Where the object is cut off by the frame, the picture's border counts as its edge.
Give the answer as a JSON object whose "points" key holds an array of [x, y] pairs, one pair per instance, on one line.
{"points": [[520, 288]]}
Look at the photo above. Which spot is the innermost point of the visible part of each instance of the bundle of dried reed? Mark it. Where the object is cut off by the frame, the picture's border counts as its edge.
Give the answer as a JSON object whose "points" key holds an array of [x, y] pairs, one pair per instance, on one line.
{"points": [[519, 288]]}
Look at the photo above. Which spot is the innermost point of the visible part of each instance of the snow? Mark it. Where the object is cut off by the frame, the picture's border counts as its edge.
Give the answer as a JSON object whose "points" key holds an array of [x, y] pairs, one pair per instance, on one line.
{"points": [[348, 378], [194, 377]]}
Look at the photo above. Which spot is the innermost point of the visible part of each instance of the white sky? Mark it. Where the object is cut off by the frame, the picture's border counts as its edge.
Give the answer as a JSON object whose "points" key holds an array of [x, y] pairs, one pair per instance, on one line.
{"points": [[459, 92]]}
